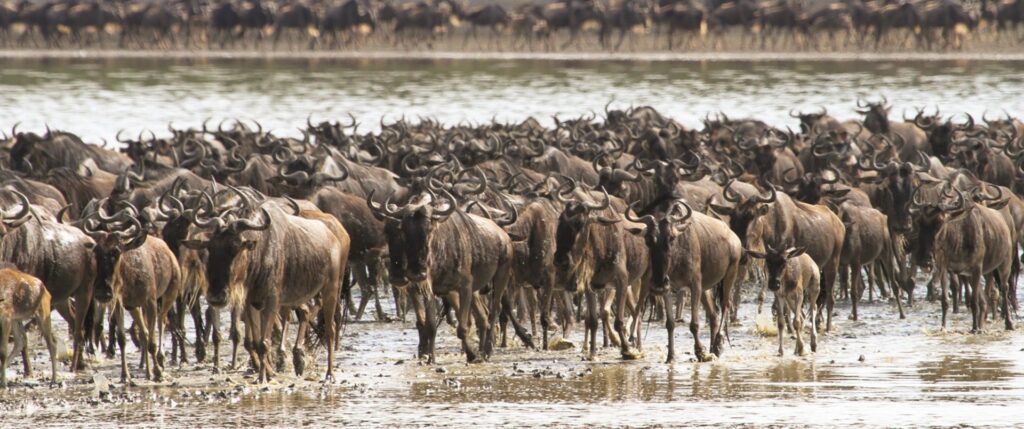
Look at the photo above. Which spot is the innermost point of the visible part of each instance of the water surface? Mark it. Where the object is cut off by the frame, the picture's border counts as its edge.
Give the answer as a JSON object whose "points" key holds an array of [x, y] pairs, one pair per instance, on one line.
{"points": [[98, 97]]}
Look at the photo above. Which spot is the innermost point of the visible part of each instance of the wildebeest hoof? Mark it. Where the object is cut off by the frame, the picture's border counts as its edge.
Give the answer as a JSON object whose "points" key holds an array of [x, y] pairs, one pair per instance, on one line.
{"points": [[200, 352], [707, 357], [632, 355]]}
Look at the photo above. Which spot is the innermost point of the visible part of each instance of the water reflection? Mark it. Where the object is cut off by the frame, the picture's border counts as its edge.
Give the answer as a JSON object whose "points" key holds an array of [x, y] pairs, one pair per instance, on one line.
{"points": [[97, 97], [963, 368]]}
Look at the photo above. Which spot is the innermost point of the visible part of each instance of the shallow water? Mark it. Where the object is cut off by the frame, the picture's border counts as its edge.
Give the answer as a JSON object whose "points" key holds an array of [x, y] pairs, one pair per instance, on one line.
{"points": [[879, 371], [98, 97]]}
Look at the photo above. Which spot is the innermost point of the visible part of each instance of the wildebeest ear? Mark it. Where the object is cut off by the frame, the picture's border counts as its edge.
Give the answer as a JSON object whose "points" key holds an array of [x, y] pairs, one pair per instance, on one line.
{"points": [[795, 251], [637, 229], [838, 192], [516, 237], [722, 210], [248, 244], [754, 254], [927, 178], [762, 209], [195, 244], [999, 205], [90, 245]]}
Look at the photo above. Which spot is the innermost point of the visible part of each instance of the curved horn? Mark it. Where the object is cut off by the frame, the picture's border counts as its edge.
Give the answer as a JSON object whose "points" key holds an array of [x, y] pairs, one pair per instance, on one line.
{"points": [[21, 216], [730, 195], [772, 196], [242, 225]]}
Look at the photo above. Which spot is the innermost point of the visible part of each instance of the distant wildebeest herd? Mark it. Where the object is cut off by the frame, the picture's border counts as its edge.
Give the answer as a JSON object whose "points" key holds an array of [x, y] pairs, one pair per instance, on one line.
{"points": [[497, 223], [692, 24]]}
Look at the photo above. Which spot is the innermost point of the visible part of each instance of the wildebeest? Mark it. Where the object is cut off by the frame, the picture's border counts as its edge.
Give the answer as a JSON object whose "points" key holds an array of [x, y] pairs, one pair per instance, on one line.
{"points": [[695, 252], [974, 242], [452, 254], [281, 261], [139, 273], [794, 278], [23, 298], [348, 18], [787, 223]]}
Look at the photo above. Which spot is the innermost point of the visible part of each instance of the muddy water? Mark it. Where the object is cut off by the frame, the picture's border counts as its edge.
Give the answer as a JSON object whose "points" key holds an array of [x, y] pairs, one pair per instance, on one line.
{"points": [[879, 371], [98, 97]]}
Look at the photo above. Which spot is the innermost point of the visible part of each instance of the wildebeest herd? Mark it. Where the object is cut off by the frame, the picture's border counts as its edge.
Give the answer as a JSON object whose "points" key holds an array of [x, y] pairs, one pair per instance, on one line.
{"points": [[499, 223], [320, 24]]}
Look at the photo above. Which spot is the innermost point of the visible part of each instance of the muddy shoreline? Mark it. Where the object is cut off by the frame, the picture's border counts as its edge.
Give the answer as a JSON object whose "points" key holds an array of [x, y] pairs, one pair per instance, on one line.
{"points": [[879, 371]]}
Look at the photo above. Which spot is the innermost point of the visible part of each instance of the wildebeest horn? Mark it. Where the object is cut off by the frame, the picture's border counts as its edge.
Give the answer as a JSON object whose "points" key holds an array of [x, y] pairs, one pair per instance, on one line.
{"points": [[440, 215], [772, 196], [62, 212], [676, 215], [785, 177], [961, 201], [648, 220], [116, 137], [176, 207], [387, 209], [915, 197], [729, 194], [242, 225], [21, 216], [599, 206], [922, 123]]}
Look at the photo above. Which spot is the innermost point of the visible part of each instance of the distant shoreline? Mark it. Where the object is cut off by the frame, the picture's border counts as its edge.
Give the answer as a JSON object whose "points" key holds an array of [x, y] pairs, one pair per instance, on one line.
{"points": [[596, 56]]}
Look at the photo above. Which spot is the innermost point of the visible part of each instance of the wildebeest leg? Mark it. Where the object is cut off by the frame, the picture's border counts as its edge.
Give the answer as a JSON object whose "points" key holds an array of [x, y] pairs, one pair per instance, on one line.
{"points": [[21, 346], [546, 295], [590, 333], [845, 282], [155, 315], [278, 339], [464, 309], [1004, 288], [977, 303], [139, 319], [422, 317], [520, 330], [734, 310], [302, 314], [670, 328], [46, 329], [634, 331], [213, 327], [566, 315], [623, 295], [695, 302], [117, 318], [796, 301], [430, 332], [713, 321], [889, 274], [5, 332], [82, 299], [611, 336], [202, 334], [366, 290], [780, 320], [264, 329], [374, 272], [236, 335], [957, 291]]}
